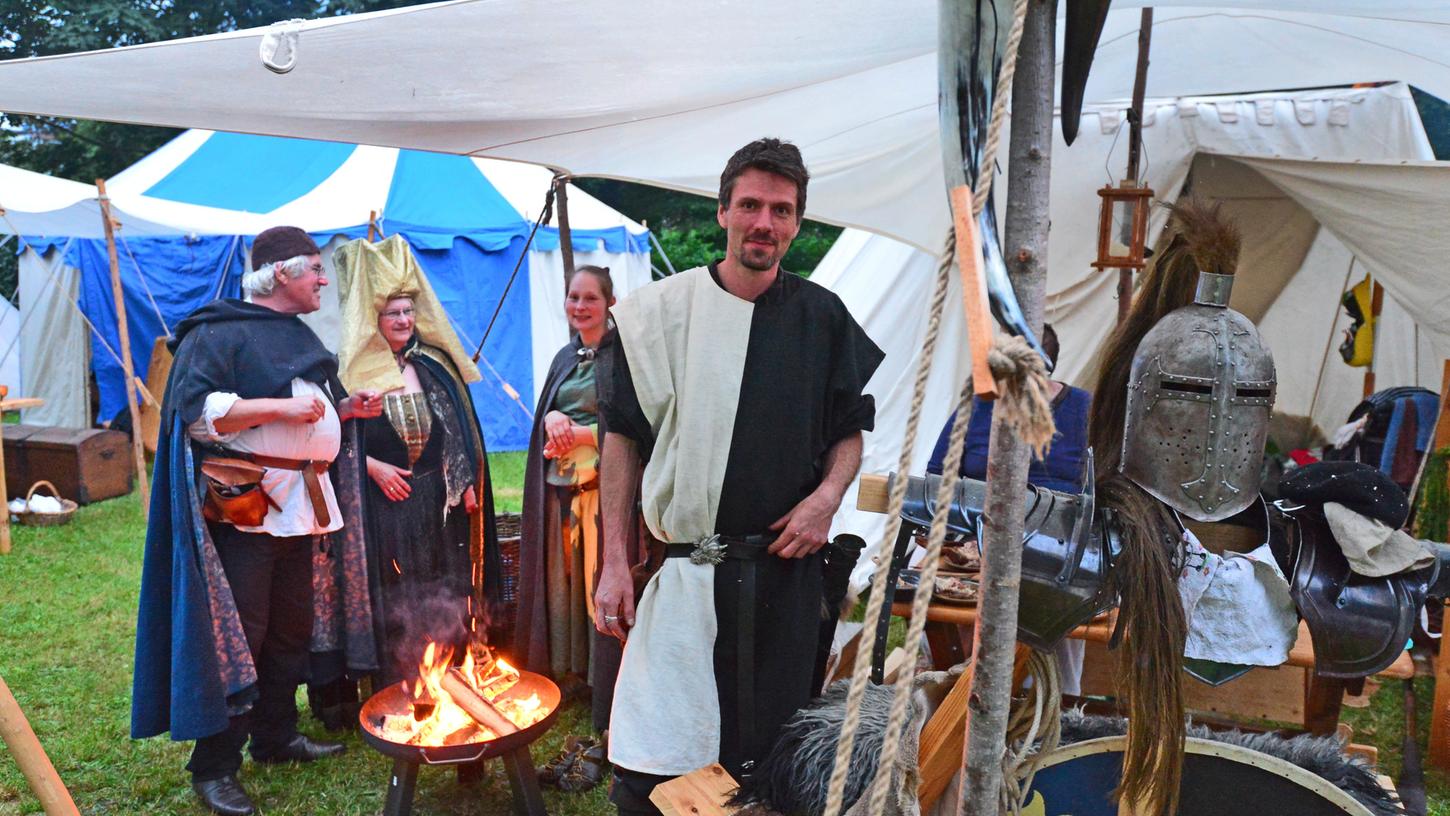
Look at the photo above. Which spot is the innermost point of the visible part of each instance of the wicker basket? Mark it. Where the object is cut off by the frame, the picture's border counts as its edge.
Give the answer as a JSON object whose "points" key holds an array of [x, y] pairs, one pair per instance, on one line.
{"points": [[67, 512], [509, 528]]}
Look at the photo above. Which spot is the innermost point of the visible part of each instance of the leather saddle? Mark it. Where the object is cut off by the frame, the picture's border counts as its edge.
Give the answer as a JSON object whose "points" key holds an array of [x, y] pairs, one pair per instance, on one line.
{"points": [[1358, 624]]}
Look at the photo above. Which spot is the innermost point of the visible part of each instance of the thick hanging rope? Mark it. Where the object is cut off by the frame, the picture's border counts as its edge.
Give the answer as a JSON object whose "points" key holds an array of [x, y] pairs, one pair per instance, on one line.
{"points": [[891, 741], [1038, 722]]}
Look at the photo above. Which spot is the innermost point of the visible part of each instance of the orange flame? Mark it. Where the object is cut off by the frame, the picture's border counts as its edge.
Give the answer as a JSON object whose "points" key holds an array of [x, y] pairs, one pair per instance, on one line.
{"points": [[447, 723]]}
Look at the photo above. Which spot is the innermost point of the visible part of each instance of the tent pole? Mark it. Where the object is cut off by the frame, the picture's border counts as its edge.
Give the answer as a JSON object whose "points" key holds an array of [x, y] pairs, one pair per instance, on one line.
{"points": [[20, 739], [1025, 246], [1135, 144], [566, 236], [137, 446]]}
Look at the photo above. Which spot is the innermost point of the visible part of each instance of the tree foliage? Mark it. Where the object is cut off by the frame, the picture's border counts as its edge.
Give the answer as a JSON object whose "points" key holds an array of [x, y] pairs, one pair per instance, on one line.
{"points": [[87, 150]]}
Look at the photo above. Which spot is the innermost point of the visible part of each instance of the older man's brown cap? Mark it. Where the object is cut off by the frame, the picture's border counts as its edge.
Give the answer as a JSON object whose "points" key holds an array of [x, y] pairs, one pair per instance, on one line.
{"points": [[281, 244]]}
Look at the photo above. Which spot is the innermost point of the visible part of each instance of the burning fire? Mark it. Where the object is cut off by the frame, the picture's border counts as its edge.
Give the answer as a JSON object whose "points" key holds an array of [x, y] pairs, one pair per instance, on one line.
{"points": [[436, 719]]}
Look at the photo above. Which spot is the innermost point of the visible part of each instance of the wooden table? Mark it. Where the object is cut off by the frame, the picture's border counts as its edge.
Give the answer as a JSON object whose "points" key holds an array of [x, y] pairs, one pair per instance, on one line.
{"points": [[10, 405], [1305, 698]]}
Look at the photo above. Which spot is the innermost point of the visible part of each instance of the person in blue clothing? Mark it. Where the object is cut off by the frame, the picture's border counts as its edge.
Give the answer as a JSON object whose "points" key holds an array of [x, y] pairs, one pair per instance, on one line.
{"points": [[1061, 470]]}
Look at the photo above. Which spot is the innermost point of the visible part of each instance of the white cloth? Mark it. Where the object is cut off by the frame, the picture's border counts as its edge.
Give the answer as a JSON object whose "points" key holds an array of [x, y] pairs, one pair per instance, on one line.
{"points": [[1237, 606], [666, 714], [685, 338], [1372, 547], [318, 441]]}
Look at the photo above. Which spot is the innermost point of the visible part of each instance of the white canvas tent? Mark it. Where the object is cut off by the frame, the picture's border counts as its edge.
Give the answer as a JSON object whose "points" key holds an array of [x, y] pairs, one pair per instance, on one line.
{"points": [[665, 93], [852, 82], [1327, 186], [485, 200]]}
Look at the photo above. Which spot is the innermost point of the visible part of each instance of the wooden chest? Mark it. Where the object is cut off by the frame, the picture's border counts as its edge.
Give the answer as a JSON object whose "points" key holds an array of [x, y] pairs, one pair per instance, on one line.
{"points": [[84, 464]]}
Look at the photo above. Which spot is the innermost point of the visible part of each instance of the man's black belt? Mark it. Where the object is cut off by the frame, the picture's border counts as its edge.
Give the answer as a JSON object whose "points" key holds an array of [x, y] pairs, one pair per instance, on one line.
{"points": [[749, 550]]}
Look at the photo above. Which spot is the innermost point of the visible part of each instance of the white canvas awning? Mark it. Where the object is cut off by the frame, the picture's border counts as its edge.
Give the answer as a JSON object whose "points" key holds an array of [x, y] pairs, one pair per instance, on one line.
{"points": [[663, 92]]}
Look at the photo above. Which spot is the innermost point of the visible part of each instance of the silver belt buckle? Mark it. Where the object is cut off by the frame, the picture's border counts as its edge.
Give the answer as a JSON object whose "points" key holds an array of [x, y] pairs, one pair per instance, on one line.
{"points": [[708, 550]]}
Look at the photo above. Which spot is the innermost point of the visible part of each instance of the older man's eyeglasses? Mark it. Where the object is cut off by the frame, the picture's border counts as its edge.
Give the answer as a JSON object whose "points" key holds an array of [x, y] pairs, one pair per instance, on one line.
{"points": [[398, 314]]}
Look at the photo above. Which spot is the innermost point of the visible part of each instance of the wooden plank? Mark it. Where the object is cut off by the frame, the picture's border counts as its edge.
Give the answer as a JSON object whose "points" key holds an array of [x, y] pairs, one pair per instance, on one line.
{"points": [[701, 792], [873, 494], [17, 403], [896, 662], [1263, 694], [1099, 631], [939, 755], [846, 656], [974, 292]]}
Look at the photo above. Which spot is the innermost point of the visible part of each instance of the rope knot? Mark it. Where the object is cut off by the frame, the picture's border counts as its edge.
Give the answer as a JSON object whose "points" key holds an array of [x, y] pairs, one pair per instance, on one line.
{"points": [[1026, 404]]}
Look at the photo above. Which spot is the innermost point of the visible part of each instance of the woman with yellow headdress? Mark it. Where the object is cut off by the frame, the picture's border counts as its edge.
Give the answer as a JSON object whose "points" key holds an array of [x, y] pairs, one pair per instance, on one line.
{"points": [[429, 507]]}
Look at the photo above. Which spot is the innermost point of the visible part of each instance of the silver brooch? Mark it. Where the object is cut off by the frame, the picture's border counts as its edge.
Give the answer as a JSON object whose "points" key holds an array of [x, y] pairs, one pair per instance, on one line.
{"points": [[708, 550]]}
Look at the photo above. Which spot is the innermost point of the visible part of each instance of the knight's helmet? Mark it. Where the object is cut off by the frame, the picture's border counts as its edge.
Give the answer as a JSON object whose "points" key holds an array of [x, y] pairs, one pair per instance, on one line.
{"points": [[1200, 392]]}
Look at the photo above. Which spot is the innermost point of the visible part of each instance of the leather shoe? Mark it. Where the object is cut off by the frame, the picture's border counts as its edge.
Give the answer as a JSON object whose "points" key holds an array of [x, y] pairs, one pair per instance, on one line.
{"points": [[225, 796], [302, 749]]}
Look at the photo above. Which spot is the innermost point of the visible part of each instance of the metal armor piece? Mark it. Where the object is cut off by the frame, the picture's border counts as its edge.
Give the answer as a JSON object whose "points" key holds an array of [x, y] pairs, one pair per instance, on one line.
{"points": [[1199, 396], [1066, 553], [1358, 625]]}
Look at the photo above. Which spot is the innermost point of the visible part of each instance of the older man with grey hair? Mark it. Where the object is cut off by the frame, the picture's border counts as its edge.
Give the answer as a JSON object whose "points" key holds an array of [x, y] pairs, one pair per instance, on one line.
{"points": [[226, 616]]}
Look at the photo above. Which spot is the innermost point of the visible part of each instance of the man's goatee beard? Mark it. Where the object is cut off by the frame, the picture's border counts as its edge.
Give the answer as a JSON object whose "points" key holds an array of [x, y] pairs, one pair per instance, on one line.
{"points": [[766, 263]]}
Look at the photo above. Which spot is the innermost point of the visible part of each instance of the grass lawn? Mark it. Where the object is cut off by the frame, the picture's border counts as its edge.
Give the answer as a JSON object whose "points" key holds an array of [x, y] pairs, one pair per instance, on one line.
{"points": [[67, 620]]}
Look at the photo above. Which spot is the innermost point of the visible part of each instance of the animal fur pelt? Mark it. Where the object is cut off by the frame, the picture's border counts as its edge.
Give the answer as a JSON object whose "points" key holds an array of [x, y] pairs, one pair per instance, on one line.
{"points": [[1322, 756], [795, 777]]}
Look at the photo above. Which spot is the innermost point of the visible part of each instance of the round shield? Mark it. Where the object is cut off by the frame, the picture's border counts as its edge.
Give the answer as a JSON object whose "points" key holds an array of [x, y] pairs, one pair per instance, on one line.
{"points": [[1218, 780]]}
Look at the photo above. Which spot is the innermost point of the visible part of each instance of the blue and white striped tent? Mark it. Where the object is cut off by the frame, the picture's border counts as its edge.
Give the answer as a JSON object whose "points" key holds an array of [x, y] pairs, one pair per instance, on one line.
{"points": [[467, 220]]}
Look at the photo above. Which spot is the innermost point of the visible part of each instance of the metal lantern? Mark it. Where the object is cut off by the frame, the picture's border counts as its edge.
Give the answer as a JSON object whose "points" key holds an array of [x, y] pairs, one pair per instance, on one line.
{"points": [[1123, 226]]}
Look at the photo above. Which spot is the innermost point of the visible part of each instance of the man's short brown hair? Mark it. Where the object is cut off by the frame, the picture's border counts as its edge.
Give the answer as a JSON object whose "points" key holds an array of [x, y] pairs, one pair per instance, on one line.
{"points": [[771, 156]]}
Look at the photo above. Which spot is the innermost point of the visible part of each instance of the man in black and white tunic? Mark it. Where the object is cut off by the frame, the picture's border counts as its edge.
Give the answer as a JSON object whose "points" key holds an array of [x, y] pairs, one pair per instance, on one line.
{"points": [[740, 387]]}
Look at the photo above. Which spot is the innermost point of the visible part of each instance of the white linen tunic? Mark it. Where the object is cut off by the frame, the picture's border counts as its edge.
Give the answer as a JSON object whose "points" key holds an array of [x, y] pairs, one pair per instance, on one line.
{"points": [[317, 441]]}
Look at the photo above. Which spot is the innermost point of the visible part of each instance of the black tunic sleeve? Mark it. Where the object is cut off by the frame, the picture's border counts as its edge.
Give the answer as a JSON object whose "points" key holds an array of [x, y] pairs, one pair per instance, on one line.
{"points": [[854, 359], [619, 407]]}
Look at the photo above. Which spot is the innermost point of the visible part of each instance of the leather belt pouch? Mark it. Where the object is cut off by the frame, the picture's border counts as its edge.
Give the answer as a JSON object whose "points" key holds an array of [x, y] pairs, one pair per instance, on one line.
{"points": [[234, 492]]}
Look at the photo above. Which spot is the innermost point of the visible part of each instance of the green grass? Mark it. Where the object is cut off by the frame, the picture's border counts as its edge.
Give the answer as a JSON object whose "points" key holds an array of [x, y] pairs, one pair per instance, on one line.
{"points": [[67, 620], [67, 633], [507, 472]]}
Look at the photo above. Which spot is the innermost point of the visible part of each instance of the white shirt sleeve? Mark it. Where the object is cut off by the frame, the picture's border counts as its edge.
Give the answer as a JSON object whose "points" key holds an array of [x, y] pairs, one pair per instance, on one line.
{"points": [[218, 403]]}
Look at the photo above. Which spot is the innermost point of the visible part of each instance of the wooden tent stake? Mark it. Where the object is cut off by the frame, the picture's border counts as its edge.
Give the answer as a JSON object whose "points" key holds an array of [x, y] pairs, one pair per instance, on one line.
{"points": [[20, 740], [138, 449]]}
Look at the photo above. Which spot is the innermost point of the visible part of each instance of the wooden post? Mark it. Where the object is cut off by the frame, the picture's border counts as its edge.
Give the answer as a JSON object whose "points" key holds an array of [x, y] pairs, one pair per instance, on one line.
{"points": [[138, 449], [9, 405], [22, 744], [1135, 143], [372, 225], [1439, 743], [1029, 163], [566, 235]]}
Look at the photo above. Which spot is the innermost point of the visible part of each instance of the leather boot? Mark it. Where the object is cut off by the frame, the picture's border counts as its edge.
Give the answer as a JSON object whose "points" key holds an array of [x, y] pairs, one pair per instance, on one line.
{"points": [[302, 749], [225, 796]]}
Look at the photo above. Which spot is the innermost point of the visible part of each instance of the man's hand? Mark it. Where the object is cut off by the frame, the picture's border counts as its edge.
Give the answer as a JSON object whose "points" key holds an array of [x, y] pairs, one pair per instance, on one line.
{"points": [[805, 528], [614, 601], [390, 479], [365, 404], [560, 430], [470, 500], [301, 410]]}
